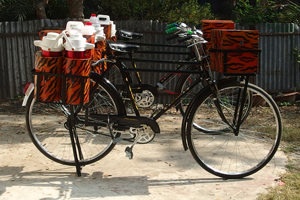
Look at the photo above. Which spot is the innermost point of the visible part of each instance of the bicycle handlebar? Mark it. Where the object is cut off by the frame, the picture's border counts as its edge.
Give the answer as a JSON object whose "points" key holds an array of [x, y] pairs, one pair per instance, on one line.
{"points": [[185, 38], [172, 25], [171, 30], [174, 36]]}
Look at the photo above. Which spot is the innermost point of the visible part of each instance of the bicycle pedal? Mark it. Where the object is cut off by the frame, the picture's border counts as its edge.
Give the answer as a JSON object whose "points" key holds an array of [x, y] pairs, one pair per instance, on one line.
{"points": [[116, 140], [129, 152]]}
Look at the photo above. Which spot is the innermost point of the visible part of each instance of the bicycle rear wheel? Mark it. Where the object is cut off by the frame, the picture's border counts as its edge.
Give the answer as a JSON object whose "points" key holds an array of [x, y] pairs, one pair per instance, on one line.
{"points": [[185, 82], [225, 152], [47, 127]]}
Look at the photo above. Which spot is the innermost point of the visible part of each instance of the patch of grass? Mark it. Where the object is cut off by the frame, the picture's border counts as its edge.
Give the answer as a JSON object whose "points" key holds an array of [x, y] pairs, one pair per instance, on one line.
{"points": [[291, 144], [290, 189]]}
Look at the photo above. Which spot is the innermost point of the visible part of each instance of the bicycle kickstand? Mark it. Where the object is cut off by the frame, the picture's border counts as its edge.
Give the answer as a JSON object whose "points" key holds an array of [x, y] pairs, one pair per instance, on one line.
{"points": [[73, 142], [128, 149]]}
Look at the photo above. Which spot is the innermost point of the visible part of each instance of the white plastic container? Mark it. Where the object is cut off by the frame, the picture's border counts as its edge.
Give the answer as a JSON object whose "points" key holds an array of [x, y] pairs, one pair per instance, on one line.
{"points": [[74, 25], [97, 27], [76, 42], [103, 19], [94, 19], [113, 29], [99, 35], [51, 44], [88, 29], [76, 45]]}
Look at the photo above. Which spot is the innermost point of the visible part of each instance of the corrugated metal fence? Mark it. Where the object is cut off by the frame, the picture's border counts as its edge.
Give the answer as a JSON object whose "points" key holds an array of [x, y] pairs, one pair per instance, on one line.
{"points": [[279, 71]]}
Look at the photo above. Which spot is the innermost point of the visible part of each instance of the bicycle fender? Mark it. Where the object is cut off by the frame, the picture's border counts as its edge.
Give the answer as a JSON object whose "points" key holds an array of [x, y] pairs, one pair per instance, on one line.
{"points": [[99, 78], [29, 90], [95, 76], [186, 117]]}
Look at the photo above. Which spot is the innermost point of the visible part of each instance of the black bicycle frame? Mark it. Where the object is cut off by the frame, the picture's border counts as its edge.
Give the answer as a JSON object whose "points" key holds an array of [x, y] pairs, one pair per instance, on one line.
{"points": [[120, 64], [189, 54]]}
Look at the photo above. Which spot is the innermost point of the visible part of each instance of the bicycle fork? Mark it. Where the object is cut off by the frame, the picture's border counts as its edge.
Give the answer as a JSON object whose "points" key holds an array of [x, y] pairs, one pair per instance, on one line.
{"points": [[238, 112]]}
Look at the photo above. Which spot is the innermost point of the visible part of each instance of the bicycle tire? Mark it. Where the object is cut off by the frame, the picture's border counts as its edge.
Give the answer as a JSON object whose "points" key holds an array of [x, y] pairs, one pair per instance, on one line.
{"points": [[234, 155], [46, 125]]}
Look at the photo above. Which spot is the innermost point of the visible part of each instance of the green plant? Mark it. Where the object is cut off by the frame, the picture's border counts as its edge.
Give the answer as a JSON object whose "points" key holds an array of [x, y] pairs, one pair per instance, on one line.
{"points": [[21, 10], [190, 12], [290, 13], [264, 11], [297, 54], [57, 9], [17, 10]]}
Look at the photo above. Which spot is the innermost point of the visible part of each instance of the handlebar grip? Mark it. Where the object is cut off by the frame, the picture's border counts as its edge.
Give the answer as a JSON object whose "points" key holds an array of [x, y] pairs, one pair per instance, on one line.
{"points": [[185, 38], [172, 25], [174, 36], [171, 30]]}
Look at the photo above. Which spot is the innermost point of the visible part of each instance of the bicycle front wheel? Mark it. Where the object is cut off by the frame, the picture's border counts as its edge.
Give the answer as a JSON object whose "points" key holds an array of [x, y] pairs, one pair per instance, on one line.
{"points": [[232, 152], [48, 129]]}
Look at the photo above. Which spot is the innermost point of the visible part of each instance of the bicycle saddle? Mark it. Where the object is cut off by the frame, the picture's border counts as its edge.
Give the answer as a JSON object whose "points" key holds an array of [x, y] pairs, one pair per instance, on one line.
{"points": [[122, 47], [127, 35]]}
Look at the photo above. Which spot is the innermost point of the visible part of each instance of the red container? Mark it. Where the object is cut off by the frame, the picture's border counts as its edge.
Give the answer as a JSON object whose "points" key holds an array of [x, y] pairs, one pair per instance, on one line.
{"points": [[76, 54], [51, 53]]}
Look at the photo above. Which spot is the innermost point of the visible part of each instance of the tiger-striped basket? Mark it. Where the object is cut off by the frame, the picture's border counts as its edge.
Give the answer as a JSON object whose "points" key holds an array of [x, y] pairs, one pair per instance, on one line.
{"points": [[235, 61], [59, 78], [234, 51], [99, 53], [77, 88], [49, 87]]}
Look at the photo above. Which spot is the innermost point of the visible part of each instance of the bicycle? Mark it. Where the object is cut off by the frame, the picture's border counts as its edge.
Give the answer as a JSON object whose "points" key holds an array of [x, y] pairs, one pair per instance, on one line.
{"points": [[146, 94], [94, 128]]}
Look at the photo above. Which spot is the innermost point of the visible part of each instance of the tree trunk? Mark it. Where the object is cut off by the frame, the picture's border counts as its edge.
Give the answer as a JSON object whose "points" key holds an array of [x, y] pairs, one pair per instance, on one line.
{"points": [[75, 8], [40, 9]]}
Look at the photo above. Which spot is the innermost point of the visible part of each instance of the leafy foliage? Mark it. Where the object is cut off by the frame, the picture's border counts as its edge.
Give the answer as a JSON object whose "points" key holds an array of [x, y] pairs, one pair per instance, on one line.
{"points": [[264, 11], [290, 13], [165, 11], [57, 9], [12, 10], [188, 11], [20, 10]]}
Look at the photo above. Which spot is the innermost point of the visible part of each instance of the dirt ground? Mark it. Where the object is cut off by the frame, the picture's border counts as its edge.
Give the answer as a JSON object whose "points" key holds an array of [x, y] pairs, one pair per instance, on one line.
{"points": [[159, 170]]}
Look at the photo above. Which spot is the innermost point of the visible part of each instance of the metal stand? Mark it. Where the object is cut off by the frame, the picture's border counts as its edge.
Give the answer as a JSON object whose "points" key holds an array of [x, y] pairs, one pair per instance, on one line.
{"points": [[74, 141]]}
